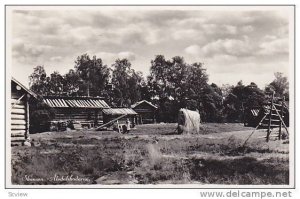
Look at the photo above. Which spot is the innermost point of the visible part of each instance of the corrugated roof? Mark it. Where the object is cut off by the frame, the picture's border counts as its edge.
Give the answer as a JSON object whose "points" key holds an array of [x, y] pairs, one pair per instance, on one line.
{"points": [[143, 101], [75, 103], [119, 111]]}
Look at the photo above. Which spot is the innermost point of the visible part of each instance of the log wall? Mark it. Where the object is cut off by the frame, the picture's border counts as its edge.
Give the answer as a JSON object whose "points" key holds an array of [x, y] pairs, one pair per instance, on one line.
{"points": [[79, 114], [146, 114], [19, 120]]}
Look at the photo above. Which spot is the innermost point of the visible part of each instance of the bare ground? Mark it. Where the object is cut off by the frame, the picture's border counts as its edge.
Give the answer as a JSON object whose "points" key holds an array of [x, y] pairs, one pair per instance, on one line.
{"points": [[153, 154]]}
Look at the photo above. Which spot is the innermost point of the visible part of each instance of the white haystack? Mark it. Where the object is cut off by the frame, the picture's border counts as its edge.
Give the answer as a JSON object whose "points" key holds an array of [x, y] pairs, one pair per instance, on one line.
{"points": [[188, 121]]}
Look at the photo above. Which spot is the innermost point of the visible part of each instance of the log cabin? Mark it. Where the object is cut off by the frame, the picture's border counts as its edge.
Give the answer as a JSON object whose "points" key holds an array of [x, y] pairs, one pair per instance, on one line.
{"points": [[85, 110], [21, 98], [146, 112]]}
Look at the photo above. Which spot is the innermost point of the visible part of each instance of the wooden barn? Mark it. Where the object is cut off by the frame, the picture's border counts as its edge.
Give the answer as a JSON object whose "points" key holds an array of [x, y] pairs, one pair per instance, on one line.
{"points": [[114, 113], [21, 98], [85, 110], [146, 112]]}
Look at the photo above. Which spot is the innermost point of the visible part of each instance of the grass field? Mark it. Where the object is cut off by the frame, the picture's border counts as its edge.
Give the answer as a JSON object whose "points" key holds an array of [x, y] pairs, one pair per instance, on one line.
{"points": [[153, 154]]}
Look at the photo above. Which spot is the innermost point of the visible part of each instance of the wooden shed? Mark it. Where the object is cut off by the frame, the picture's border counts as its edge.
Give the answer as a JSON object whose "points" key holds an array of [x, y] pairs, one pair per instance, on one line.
{"points": [[113, 113], [21, 97], [146, 112], [85, 110]]}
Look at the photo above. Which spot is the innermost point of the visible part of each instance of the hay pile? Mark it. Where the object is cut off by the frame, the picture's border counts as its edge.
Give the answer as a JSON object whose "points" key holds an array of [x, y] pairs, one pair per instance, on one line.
{"points": [[188, 121]]}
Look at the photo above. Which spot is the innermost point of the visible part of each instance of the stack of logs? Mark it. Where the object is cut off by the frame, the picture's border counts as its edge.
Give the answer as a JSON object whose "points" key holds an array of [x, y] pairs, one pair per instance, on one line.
{"points": [[19, 119]]}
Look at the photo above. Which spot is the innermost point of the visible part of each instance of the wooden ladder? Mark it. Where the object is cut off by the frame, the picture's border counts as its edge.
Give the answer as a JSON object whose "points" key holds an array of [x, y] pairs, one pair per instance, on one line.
{"points": [[273, 118]]}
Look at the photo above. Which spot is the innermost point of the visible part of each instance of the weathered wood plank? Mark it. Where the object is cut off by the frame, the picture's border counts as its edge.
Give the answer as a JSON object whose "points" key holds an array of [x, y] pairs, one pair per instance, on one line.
{"points": [[17, 117], [18, 131], [18, 139], [15, 101], [18, 127], [18, 135], [18, 111], [16, 106], [18, 122], [27, 117]]}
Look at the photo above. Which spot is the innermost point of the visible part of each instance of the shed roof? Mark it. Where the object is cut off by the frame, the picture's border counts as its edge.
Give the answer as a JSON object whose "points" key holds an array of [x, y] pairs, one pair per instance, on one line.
{"points": [[68, 102], [141, 102], [119, 111]]}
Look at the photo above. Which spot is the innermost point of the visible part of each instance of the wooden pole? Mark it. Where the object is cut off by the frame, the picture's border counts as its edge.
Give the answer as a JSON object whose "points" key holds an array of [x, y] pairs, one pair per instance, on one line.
{"points": [[17, 101], [27, 118], [254, 129], [270, 118], [88, 85], [280, 127], [96, 118], [119, 131], [281, 120], [110, 122]]}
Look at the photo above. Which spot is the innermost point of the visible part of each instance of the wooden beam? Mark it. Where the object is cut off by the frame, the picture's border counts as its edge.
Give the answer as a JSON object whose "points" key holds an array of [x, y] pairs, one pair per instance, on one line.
{"points": [[18, 122], [17, 139], [279, 134], [18, 111], [270, 117], [282, 120], [27, 118], [18, 100], [18, 132], [18, 127], [110, 122], [18, 106], [255, 129]]}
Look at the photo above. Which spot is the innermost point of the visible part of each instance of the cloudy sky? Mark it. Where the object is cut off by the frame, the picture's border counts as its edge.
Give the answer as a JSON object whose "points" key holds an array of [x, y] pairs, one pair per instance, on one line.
{"points": [[236, 44]]}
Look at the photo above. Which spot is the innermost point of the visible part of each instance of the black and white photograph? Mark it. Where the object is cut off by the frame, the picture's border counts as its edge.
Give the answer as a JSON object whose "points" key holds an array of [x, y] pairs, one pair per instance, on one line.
{"points": [[150, 96]]}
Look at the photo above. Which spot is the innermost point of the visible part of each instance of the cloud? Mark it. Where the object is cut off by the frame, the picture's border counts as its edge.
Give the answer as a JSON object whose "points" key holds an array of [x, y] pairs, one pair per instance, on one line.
{"points": [[247, 71], [247, 28], [190, 33], [233, 47], [25, 52], [128, 55], [212, 29], [193, 50], [56, 37], [109, 57], [229, 47], [274, 47], [56, 58], [226, 59]]}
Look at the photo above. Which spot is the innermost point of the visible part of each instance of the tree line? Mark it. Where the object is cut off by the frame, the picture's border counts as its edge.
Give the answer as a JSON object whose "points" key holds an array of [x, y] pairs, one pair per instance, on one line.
{"points": [[171, 85]]}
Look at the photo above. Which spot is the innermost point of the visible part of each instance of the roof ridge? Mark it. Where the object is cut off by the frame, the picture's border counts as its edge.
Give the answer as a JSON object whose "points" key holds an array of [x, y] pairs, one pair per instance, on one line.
{"points": [[24, 87], [140, 102]]}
